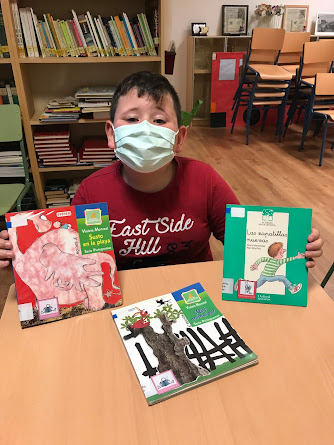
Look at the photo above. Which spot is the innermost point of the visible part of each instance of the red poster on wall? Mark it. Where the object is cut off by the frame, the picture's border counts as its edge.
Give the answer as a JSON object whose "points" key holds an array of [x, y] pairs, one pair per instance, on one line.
{"points": [[224, 84]]}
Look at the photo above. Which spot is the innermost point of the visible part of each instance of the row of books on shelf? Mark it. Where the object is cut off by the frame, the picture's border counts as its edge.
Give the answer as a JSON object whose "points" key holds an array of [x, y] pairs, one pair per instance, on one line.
{"points": [[55, 148], [4, 51], [11, 162], [83, 35], [8, 92], [88, 101]]}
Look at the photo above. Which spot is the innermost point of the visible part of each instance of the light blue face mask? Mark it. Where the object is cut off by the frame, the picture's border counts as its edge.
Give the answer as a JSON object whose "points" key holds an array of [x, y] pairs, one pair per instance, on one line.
{"points": [[144, 147]]}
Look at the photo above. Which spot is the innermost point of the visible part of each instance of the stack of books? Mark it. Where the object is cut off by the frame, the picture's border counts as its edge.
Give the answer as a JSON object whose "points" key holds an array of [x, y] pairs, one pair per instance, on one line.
{"points": [[8, 92], [96, 151], [54, 148], [85, 35], [11, 164], [61, 110], [73, 187], [56, 193], [96, 100]]}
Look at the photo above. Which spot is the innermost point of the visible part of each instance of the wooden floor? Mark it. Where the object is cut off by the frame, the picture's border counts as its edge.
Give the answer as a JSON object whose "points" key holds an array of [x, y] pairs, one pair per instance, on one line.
{"points": [[265, 173]]}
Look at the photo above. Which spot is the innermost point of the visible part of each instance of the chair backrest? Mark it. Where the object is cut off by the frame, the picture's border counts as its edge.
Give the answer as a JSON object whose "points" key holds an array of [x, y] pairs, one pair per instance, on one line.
{"points": [[10, 123], [265, 44], [317, 57], [324, 84], [11, 131], [292, 48]]}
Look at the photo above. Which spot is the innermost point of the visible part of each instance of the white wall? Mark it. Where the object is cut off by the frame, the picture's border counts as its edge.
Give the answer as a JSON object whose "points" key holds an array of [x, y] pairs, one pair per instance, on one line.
{"points": [[179, 14]]}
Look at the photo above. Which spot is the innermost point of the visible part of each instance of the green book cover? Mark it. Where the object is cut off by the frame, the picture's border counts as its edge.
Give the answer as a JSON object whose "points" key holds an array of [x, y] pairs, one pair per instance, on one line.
{"points": [[264, 258]]}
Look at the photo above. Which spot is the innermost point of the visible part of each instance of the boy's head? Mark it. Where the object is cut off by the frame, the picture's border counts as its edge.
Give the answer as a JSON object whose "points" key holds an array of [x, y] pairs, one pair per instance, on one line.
{"points": [[148, 84], [276, 250]]}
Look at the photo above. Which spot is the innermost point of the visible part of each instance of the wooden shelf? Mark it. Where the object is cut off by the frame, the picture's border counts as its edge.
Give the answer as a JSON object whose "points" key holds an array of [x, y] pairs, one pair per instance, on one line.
{"points": [[35, 121], [5, 60], [69, 168], [67, 60]]}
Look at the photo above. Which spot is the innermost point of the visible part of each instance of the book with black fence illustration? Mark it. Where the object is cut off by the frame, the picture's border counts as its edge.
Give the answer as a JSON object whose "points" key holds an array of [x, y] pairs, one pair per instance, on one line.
{"points": [[264, 254], [178, 341]]}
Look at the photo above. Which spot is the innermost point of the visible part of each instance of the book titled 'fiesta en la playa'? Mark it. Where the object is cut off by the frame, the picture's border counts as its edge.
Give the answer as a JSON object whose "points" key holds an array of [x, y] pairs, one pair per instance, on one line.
{"points": [[178, 341], [264, 254]]}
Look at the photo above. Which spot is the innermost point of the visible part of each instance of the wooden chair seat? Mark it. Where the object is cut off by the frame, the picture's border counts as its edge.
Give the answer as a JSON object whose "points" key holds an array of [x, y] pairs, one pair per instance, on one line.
{"points": [[272, 72], [329, 113], [278, 94], [309, 80], [291, 68], [272, 85]]}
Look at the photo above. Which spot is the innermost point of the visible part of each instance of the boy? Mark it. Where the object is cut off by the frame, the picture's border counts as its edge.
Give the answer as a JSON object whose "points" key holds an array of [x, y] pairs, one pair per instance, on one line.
{"points": [[162, 208], [275, 260]]}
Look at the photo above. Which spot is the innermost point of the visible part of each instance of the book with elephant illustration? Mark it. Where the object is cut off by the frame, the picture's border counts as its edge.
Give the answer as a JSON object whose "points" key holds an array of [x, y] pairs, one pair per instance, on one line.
{"points": [[178, 341], [264, 254], [64, 262]]}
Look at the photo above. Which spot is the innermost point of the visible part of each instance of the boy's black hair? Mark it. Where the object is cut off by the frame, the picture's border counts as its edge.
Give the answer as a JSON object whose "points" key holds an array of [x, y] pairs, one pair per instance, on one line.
{"points": [[149, 84]]}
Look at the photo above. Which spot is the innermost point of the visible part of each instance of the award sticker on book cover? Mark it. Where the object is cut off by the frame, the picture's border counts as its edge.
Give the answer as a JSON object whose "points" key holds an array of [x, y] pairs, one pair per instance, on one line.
{"points": [[247, 289]]}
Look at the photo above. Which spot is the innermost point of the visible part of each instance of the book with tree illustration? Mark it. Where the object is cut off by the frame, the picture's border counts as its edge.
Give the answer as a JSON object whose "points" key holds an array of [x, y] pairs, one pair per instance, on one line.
{"points": [[64, 262], [264, 254], [178, 341]]}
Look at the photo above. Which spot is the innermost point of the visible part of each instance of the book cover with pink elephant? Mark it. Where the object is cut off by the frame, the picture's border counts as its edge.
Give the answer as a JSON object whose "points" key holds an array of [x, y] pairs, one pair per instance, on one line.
{"points": [[64, 262]]}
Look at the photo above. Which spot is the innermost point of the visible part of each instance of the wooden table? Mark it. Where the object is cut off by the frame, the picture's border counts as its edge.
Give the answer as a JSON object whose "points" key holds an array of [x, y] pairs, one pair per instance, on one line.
{"points": [[71, 382]]}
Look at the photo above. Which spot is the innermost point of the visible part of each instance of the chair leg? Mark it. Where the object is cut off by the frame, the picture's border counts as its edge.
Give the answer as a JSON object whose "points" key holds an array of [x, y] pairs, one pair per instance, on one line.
{"points": [[307, 121], [318, 126], [235, 113], [327, 277], [299, 114], [264, 117], [305, 130], [323, 142]]}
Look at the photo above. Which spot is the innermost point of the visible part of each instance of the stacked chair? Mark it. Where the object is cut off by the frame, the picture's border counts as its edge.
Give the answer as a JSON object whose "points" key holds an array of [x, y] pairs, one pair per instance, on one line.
{"points": [[292, 51], [317, 57], [264, 84], [321, 106]]}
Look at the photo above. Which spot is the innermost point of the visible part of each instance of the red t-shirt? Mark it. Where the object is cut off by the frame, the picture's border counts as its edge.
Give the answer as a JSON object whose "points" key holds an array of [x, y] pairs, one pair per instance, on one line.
{"points": [[172, 226]]}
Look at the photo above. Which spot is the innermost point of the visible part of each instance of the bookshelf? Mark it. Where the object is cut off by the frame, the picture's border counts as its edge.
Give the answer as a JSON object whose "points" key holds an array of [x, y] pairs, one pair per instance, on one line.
{"points": [[199, 61], [40, 79]]}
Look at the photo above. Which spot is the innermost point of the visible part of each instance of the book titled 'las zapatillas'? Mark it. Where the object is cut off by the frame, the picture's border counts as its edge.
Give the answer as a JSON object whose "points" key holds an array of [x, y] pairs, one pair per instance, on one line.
{"points": [[264, 254], [178, 341]]}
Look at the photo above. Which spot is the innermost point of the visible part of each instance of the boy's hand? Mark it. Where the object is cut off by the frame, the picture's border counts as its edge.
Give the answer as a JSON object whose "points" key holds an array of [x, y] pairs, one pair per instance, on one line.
{"points": [[300, 255], [5, 249], [253, 266], [314, 247]]}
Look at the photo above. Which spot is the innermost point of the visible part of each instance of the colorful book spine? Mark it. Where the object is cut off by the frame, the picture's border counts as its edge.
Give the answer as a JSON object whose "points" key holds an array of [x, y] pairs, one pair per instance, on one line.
{"points": [[50, 37], [148, 31], [26, 32], [18, 30], [77, 36], [118, 23], [79, 31], [131, 35], [117, 37]]}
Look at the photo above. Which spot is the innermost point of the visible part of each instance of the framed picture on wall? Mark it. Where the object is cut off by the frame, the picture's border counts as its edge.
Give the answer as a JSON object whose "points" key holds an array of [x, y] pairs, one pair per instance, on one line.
{"points": [[295, 18], [235, 20], [324, 25]]}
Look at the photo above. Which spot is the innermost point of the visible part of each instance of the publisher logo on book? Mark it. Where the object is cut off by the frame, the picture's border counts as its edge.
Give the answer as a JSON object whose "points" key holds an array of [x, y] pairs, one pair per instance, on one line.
{"points": [[93, 217], [191, 296], [267, 217]]}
